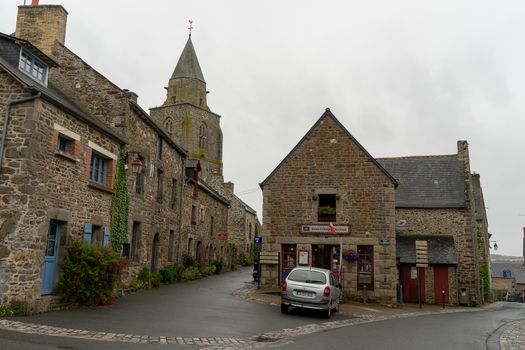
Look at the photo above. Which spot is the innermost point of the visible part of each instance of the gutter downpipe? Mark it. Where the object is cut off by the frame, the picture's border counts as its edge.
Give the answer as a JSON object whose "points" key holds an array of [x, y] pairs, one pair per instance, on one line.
{"points": [[181, 211], [6, 122]]}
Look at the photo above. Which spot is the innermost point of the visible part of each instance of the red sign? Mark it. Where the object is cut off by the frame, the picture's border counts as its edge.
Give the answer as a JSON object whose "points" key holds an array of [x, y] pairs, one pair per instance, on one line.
{"points": [[222, 236]]}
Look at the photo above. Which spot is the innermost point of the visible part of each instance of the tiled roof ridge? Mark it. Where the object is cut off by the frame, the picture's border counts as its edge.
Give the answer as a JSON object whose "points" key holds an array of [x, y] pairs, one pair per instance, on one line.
{"points": [[430, 156]]}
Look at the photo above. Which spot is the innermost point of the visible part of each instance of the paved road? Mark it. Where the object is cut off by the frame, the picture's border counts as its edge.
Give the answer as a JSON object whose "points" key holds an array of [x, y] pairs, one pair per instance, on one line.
{"points": [[211, 313], [477, 329]]}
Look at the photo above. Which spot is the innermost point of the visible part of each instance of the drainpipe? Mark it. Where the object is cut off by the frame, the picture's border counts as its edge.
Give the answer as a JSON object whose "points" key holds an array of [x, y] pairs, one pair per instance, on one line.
{"points": [[181, 209], [6, 122]]}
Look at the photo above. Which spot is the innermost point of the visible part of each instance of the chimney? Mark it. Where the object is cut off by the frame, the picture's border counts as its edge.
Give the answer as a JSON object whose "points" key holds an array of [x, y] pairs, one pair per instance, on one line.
{"points": [[42, 25]]}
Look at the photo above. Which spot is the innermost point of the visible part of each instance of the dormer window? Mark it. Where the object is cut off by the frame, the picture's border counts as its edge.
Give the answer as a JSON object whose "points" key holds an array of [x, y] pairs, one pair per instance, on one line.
{"points": [[33, 67]]}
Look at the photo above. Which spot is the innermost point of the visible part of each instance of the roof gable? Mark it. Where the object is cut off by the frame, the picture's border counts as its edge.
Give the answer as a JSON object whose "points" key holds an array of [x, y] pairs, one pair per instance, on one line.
{"points": [[328, 114], [428, 181]]}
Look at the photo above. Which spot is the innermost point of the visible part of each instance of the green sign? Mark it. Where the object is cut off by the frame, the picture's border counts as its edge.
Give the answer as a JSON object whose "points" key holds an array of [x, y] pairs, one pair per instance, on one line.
{"points": [[384, 242]]}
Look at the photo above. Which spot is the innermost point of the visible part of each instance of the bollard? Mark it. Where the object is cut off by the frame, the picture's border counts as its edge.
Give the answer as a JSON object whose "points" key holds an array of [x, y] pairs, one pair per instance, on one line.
{"points": [[443, 295]]}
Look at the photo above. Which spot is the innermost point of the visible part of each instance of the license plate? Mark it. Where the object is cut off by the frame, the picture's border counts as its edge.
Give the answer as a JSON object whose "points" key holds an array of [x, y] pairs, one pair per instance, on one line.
{"points": [[304, 294]]}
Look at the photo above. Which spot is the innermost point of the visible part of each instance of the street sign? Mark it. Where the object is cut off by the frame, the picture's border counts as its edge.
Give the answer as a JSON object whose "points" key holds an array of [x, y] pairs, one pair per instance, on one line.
{"points": [[384, 242], [421, 253], [257, 240], [271, 258]]}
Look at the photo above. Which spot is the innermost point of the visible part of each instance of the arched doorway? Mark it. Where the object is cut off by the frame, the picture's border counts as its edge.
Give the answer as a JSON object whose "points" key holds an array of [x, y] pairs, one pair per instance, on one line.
{"points": [[155, 252]]}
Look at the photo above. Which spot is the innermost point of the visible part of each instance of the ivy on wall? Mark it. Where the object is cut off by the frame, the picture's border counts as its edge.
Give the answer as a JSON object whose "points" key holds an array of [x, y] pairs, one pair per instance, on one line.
{"points": [[484, 272], [119, 204]]}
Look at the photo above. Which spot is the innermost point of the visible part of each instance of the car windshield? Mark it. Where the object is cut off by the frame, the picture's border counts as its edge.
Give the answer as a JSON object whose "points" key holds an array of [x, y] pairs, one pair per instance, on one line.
{"points": [[307, 276]]}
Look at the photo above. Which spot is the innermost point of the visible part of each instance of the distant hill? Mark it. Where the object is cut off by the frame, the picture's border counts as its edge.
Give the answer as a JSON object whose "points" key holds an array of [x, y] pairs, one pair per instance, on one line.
{"points": [[498, 257]]}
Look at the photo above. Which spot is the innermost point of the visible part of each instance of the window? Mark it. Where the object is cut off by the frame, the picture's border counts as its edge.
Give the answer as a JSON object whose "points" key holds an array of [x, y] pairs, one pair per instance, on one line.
{"points": [[202, 214], [139, 183], [134, 250], [33, 67], [65, 144], [327, 207], [168, 125], [365, 267], [94, 234], [159, 185], [99, 169], [202, 136], [193, 214], [171, 239], [173, 201], [159, 147]]}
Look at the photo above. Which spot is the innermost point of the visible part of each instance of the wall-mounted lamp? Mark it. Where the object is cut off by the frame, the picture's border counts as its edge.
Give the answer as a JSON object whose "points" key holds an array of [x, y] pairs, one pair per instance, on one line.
{"points": [[136, 166], [495, 245]]}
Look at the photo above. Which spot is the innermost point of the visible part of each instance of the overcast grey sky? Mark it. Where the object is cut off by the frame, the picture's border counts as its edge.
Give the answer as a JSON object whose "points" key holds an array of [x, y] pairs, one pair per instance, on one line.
{"points": [[404, 77]]}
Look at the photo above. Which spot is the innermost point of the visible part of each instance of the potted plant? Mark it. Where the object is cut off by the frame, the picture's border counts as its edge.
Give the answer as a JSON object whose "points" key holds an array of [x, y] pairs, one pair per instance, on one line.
{"points": [[350, 255]]}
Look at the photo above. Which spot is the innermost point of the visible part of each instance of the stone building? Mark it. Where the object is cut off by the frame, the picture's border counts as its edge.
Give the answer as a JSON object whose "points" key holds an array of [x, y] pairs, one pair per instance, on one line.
{"points": [[56, 171], [64, 124], [330, 183], [440, 201]]}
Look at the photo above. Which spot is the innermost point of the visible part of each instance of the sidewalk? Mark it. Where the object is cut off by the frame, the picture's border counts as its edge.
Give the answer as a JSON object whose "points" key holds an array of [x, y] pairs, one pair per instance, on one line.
{"points": [[368, 310]]}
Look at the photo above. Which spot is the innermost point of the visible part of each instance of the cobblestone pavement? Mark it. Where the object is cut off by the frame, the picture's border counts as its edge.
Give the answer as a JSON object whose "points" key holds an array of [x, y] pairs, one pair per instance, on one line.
{"points": [[513, 337]]}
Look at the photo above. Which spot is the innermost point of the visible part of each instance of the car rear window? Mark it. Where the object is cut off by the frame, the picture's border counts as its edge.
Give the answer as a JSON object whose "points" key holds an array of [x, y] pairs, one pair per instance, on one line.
{"points": [[307, 276]]}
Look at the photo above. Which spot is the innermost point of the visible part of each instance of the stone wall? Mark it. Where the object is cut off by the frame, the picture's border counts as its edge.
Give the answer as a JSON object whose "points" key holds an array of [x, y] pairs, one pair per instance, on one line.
{"points": [[328, 161], [200, 237], [187, 119], [40, 183]]}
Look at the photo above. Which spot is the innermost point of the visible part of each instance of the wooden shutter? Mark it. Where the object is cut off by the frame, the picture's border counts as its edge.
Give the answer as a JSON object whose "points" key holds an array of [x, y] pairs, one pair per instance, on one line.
{"points": [[105, 239], [88, 233]]}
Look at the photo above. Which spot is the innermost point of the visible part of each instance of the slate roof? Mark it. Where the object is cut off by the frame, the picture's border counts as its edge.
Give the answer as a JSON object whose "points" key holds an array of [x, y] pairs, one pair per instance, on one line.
{"points": [[54, 96], [329, 114], [188, 64], [441, 249], [427, 181], [516, 269]]}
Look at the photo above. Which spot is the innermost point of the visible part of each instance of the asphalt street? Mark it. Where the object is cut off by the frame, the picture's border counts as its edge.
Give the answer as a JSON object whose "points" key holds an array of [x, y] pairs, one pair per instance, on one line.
{"points": [[201, 308], [210, 313]]}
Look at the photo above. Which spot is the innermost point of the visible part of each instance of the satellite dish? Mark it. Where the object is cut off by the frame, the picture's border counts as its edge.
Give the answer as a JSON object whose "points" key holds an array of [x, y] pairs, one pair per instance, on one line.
{"points": [[402, 222]]}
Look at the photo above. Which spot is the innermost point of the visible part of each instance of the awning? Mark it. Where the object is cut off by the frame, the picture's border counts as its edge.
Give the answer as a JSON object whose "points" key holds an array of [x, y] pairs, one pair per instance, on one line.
{"points": [[441, 250]]}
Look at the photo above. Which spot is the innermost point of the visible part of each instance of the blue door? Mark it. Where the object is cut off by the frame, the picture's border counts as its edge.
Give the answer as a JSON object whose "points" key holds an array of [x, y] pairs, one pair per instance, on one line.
{"points": [[49, 270]]}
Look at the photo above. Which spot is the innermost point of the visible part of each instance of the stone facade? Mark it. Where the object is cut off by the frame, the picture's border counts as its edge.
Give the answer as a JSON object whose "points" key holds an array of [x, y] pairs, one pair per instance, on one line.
{"points": [[329, 161], [43, 185]]}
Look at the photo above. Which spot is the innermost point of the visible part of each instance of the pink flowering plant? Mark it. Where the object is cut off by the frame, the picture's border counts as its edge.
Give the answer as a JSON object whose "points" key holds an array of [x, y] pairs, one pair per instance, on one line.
{"points": [[350, 255]]}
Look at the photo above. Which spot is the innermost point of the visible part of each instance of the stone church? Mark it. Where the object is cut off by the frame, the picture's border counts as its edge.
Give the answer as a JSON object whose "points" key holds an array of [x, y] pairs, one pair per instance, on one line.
{"points": [[64, 126]]}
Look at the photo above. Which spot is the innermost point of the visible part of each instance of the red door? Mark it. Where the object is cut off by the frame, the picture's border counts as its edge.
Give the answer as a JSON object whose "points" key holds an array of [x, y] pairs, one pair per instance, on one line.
{"points": [[409, 280], [440, 284]]}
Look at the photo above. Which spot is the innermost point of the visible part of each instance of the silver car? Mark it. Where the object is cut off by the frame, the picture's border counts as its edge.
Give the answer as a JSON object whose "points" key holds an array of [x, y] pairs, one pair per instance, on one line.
{"points": [[310, 288]]}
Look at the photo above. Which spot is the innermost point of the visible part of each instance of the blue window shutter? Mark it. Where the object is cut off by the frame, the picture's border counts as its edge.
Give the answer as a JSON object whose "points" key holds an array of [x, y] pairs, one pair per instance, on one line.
{"points": [[88, 233], [105, 239]]}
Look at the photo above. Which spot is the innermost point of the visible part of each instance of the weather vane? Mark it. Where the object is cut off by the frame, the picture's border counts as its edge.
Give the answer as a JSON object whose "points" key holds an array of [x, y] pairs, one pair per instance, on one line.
{"points": [[191, 26]]}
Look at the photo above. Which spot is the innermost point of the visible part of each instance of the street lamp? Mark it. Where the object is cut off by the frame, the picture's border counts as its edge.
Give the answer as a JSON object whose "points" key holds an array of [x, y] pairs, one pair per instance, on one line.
{"points": [[495, 245], [136, 166]]}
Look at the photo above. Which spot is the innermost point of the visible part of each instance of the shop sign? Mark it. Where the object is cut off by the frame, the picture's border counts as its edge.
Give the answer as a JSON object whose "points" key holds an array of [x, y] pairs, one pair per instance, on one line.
{"points": [[325, 229]]}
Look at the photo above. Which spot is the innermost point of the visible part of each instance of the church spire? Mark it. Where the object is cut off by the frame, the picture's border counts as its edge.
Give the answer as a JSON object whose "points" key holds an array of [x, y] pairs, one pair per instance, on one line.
{"points": [[187, 84]]}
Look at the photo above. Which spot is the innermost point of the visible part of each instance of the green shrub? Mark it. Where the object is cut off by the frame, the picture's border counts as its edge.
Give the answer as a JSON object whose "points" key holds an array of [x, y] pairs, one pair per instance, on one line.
{"points": [[149, 279], [190, 274], [188, 261], [90, 274], [10, 310], [207, 270], [245, 259], [168, 274], [218, 266]]}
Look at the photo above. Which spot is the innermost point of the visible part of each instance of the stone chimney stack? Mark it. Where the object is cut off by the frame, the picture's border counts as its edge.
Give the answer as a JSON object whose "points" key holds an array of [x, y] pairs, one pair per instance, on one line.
{"points": [[42, 25]]}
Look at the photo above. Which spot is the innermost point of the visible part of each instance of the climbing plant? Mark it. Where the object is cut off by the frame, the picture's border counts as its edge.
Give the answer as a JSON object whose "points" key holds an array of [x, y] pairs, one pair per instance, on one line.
{"points": [[119, 204], [484, 266]]}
